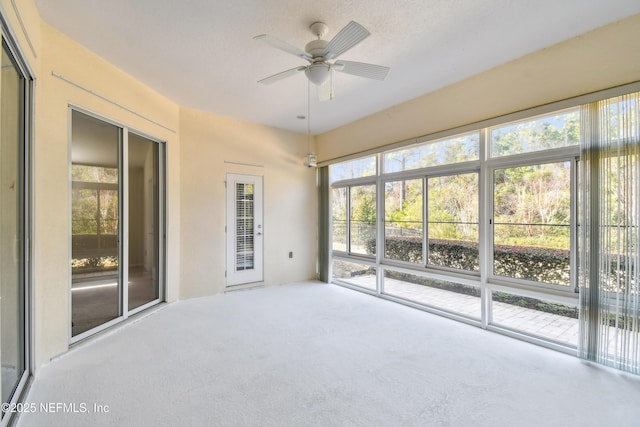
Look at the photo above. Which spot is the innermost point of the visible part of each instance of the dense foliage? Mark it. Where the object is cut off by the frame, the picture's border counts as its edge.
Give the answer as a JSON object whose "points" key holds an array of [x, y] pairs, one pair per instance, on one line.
{"points": [[524, 262]]}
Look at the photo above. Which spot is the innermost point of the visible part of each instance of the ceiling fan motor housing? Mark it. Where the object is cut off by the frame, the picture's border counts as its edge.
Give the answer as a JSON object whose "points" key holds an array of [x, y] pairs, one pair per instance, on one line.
{"points": [[315, 48]]}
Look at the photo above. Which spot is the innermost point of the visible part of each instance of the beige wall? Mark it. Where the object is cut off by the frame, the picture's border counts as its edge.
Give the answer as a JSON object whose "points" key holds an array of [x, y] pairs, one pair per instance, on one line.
{"points": [[47, 51], [597, 60], [196, 141], [290, 197], [51, 279]]}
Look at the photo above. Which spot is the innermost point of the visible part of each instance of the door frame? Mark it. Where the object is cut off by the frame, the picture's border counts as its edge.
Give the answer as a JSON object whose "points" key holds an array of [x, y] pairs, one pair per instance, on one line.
{"points": [[123, 219], [256, 274]]}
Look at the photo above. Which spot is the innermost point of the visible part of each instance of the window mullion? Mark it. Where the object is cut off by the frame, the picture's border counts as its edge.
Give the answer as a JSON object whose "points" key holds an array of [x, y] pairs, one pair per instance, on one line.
{"points": [[485, 229], [124, 221], [574, 221], [380, 232], [348, 221], [425, 221]]}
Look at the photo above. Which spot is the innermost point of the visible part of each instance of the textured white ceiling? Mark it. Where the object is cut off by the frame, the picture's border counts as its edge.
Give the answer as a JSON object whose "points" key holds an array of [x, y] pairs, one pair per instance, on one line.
{"points": [[201, 53]]}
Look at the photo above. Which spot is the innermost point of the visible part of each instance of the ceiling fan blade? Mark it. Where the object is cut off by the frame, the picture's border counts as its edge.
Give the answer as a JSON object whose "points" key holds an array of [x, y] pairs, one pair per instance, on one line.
{"points": [[325, 92], [280, 76], [284, 46], [361, 69], [352, 34]]}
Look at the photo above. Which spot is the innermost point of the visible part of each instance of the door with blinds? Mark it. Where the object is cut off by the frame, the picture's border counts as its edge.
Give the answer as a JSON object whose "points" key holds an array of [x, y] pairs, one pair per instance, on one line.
{"points": [[244, 229]]}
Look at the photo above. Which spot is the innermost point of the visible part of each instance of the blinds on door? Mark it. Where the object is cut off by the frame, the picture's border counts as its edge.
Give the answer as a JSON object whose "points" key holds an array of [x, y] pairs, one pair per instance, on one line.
{"points": [[244, 226]]}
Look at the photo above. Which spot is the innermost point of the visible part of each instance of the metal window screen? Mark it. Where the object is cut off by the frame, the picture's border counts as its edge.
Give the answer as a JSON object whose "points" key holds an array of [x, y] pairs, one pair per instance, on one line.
{"points": [[244, 226]]}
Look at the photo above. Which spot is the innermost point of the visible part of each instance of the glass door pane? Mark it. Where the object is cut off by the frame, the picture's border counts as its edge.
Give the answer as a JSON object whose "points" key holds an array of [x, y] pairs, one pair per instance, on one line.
{"points": [[95, 211], [362, 220], [244, 226], [144, 221], [531, 223], [12, 230], [339, 218]]}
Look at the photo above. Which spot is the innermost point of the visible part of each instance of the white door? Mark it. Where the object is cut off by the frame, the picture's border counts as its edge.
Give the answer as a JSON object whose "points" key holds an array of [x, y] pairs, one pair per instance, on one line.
{"points": [[244, 229]]}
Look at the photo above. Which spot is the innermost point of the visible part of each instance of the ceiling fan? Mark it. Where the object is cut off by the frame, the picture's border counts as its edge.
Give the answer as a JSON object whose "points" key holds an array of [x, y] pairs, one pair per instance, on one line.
{"points": [[320, 52]]}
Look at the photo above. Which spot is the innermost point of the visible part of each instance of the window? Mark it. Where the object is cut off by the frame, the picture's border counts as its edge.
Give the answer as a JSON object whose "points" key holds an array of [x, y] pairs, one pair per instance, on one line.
{"points": [[457, 298], [462, 148], [362, 220], [354, 273], [561, 129], [483, 225], [531, 222], [94, 216], [542, 318], [403, 225], [453, 221], [358, 168], [339, 218]]}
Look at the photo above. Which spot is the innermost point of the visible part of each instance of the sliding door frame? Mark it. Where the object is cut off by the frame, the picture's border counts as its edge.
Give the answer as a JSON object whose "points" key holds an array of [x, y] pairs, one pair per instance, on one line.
{"points": [[7, 38], [123, 222]]}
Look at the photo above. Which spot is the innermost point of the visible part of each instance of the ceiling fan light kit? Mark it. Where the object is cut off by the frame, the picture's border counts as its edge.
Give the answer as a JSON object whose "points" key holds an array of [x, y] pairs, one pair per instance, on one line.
{"points": [[317, 73], [320, 52]]}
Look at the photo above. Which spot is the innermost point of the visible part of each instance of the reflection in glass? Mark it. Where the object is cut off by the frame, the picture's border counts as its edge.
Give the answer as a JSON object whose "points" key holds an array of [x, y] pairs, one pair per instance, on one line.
{"points": [[95, 208]]}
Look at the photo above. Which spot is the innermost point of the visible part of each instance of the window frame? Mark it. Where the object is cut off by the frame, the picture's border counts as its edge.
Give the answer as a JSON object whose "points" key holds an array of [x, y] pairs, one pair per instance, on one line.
{"points": [[489, 142], [348, 185], [425, 174], [426, 142], [486, 165], [349, 220], [383, 238], [426, 222], [556, 155]]}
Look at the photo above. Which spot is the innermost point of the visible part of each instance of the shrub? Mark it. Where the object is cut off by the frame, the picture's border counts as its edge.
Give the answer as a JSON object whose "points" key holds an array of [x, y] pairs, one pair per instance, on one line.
{"points": [[532, 263], [523, 262]]}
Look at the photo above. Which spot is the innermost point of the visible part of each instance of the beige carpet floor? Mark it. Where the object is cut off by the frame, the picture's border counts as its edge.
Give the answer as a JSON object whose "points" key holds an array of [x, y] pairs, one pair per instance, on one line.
{"points": [[312, 354]]}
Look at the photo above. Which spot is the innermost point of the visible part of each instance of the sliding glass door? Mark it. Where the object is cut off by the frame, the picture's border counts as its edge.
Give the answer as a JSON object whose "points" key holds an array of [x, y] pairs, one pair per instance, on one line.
{"points": [[144, 219], [116, 221], [14, 220], [95, 225]]}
